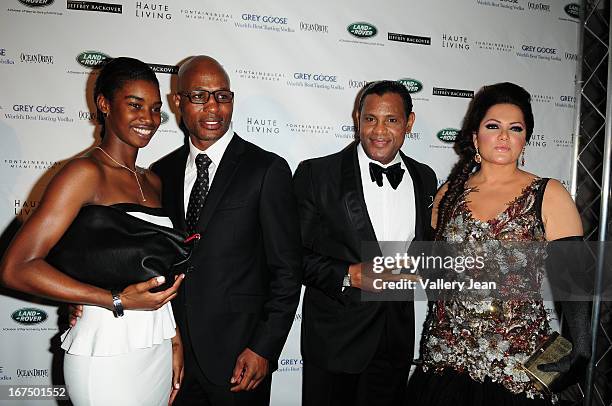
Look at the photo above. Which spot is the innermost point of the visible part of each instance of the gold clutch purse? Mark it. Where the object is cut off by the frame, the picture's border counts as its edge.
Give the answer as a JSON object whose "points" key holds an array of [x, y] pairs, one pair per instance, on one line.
{"points": [[552, 350]]}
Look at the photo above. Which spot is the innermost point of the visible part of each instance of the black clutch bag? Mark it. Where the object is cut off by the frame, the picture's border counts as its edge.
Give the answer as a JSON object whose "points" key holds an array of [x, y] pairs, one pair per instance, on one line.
{"points": [[108, 248]]}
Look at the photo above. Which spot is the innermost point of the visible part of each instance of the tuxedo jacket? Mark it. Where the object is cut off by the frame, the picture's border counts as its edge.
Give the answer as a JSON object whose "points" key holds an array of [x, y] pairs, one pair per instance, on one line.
{"points": [[340, 332], [244, 280]]}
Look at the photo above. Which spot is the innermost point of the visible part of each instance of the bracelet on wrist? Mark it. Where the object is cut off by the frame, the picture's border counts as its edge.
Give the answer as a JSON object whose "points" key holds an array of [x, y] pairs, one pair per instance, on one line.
{"points": [[117, 305]]}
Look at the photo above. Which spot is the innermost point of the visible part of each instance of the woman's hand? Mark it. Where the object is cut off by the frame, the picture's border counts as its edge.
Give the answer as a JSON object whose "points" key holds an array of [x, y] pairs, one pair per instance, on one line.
{"points": [[138, 297], [178, 368]]}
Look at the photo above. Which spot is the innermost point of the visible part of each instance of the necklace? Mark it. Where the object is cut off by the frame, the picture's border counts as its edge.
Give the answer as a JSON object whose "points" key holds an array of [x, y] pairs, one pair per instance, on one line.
{"points": [[125, 167]]}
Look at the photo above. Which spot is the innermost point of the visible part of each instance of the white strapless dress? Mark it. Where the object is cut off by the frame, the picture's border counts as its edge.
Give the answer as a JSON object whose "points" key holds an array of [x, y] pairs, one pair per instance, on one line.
{"points": [[124, 361]]}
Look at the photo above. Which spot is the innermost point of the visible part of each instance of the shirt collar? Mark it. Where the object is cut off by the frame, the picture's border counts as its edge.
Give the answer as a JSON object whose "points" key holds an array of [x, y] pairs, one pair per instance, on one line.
{"points": [[215, 151], [364, 159]]}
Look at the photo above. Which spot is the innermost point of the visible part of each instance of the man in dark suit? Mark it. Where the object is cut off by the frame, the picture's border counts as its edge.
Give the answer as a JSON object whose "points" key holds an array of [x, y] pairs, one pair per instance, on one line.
{"points": [[237, 302], [359, 352]]}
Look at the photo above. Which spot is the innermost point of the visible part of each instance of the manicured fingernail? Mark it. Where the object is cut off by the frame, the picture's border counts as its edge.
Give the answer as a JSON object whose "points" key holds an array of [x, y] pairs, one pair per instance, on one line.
{"points": [[232, 380], [160, 279], [176, 386]]}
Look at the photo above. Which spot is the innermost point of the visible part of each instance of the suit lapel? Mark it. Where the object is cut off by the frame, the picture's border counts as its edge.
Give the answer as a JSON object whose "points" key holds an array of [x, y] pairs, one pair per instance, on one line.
{"points": [[175, 200], [417, 183], [223, 177], [352, 196]]}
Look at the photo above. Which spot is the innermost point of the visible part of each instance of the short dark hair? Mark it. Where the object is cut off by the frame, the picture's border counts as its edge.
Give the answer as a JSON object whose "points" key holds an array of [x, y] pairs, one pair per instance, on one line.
{"points": [[382, 87], [117, 72]]}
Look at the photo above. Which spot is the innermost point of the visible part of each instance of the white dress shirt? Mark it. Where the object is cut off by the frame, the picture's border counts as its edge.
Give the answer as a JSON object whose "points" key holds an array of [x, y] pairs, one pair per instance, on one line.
{"points": [[392, 211], [215, 153]]}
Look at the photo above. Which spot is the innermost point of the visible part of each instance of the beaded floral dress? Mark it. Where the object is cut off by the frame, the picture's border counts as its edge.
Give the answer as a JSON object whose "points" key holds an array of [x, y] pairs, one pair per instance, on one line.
{"points": [[488, 339]]}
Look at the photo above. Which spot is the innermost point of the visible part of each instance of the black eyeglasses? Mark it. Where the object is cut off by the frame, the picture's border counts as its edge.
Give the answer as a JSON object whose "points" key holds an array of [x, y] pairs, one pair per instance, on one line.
{"points": [[202, 96]]}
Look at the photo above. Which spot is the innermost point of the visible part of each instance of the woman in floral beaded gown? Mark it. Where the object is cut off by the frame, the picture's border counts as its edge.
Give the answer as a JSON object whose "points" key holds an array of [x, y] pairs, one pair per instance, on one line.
{"points": [[472, 350]]}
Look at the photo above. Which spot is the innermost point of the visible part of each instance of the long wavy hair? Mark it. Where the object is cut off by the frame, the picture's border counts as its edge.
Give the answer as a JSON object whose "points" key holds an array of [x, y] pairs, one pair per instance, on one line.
{"points": [[484, 99]]}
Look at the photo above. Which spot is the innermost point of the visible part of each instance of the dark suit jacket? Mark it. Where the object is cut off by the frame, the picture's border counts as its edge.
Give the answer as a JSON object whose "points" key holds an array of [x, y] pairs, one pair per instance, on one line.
{"points": [[339, 331], [244, 284]]}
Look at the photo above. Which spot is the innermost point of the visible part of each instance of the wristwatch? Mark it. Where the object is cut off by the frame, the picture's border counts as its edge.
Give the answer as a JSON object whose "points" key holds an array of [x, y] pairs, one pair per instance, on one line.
{"points": [[346, 282], [117, 305]]}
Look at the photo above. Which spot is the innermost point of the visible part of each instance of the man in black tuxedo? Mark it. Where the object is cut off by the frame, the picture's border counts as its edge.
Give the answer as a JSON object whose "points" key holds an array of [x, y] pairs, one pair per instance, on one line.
{"points": [[238, 301], [359, 352]]}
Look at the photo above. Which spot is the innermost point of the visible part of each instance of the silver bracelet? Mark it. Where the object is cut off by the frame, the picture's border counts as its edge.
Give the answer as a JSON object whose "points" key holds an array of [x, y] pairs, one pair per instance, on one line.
{"points": [[117, 305]]}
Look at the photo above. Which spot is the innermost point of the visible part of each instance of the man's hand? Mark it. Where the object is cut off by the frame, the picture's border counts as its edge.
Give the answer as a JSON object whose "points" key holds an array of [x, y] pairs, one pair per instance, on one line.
{"points": [[178, 366], [362, 276], [249, 371], [75, 311]]}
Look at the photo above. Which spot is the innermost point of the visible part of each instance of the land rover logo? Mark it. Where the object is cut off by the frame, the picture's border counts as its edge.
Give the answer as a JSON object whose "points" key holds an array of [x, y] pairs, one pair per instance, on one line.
{"points": [[29, 315], [91, 59], [448, 135], [572, 10], [362, 30], [164, 117], [413, 85], [36, 3]]}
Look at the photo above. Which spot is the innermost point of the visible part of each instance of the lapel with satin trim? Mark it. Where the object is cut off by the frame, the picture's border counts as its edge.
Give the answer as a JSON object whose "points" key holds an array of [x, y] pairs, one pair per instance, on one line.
{"points": [[353, 199], [175, 186], [417, 184], [223, 177]]}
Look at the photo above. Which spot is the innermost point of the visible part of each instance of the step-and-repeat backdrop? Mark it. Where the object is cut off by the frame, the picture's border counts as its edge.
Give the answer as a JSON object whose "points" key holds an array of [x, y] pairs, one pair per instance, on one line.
{"points": [[296, 67]]}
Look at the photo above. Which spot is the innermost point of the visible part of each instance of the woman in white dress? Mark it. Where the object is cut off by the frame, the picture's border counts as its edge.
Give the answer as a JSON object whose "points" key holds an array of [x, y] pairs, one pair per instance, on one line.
{"points": [[135, 359]]}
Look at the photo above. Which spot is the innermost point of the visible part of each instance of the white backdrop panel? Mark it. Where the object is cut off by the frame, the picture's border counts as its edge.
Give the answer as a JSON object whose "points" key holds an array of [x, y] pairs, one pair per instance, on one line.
{"points": [[281, 105]]}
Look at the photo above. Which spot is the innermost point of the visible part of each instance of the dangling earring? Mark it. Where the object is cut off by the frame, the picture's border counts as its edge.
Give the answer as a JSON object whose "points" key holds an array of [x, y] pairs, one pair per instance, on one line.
{"points": [[523, 157], [477, 157]]}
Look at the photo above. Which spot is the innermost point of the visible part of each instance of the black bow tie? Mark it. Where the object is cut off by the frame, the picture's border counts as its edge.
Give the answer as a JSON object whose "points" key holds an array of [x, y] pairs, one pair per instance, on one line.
{"points": [[394, 174]]}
